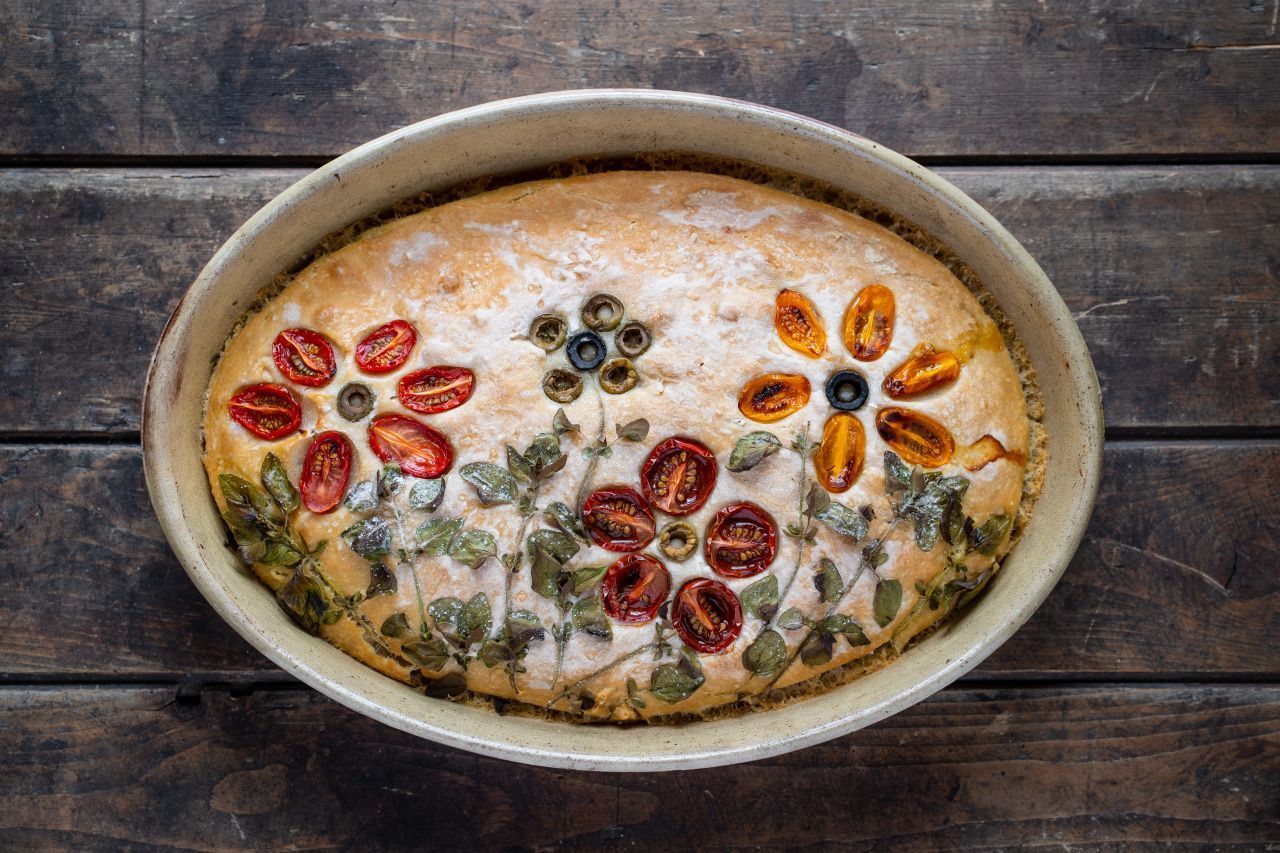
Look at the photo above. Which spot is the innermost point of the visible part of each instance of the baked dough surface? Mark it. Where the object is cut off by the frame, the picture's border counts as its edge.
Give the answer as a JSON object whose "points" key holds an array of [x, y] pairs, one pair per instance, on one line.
{"points": [[697, 257]]}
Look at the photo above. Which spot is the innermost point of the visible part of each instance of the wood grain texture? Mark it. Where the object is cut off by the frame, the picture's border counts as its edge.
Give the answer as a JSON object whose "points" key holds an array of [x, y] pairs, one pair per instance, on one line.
{"points": [[316, 77], [1176, 577], [108, 767], [1173, 274]]}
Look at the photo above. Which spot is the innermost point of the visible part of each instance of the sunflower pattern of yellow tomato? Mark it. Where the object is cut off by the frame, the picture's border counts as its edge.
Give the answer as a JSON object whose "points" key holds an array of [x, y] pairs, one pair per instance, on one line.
{"points": [[866, 331]]}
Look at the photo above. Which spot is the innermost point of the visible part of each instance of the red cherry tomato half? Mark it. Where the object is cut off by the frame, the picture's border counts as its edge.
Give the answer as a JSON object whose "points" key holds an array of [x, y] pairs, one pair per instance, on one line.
{"points": [[679, 476], [267, 410], [742, 541], [618, 519], [421, 451], [386, 347], [436, 389], [325, 471], [634, 588], [707, 615], [304, 356]]}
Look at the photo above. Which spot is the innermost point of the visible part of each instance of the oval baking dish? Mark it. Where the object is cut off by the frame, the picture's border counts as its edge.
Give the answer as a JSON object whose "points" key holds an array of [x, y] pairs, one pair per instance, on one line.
{"points": [[522, 136]]}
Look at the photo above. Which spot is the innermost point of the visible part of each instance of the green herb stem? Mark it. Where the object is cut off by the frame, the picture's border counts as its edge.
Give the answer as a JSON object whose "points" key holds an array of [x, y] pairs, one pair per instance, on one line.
{"points": [[805, 527], [562, 640], [511, 573], [863, 566], [353, 613], [613, 664], [590, 472]]}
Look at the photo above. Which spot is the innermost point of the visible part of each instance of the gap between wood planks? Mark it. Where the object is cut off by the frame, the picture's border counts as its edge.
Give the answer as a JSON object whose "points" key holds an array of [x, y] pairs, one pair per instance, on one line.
{"points": [[294, 161]]}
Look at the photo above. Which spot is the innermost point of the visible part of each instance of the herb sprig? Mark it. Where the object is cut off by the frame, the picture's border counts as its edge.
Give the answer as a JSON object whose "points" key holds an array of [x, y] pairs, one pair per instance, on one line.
{"points": [[259, 518]]}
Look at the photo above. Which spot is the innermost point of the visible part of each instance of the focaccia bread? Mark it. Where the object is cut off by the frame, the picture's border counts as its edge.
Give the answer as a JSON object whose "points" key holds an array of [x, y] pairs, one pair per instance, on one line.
{"points": [[621, 445]]}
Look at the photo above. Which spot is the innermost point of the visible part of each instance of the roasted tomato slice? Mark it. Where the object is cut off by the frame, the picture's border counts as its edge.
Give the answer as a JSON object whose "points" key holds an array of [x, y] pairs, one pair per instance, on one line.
{"points": [[868, 324], [436, 389], [304, 356], [707, 615], [838, 461], [925, 370], [679, 476], [742, 541], [386, 348], [917, 438], [618, 519], [798, 323], [421, 451], [325, 471], [773, 396], [635, 587], [267, 410]]}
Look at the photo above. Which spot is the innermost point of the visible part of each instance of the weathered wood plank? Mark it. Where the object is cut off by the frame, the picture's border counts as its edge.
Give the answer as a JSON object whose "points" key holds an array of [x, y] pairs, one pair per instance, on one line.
{"points": [[1174, 275], [930, 78], [1176, 578], [101, 768]]}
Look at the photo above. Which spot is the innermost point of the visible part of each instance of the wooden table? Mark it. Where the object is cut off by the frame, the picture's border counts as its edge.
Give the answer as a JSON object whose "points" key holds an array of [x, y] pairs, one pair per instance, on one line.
{"points": [[1133, 147]]}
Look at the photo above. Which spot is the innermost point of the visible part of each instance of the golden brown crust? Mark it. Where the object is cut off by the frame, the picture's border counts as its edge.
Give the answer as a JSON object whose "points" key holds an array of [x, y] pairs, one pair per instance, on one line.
{"points": [[699, 258]]}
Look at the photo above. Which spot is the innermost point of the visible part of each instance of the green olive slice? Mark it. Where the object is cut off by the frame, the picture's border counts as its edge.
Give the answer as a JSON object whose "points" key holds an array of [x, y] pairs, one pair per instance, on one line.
{"points": [[355, 400], [633, 339], [678, 540], [548, 331], [602, 312], [618, 375], [563, 386]]}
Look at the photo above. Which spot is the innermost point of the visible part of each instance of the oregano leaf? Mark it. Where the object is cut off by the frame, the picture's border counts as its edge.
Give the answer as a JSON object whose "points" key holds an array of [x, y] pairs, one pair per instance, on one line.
{"points": [[390, 479], [430, 654], [560, 423], [473, 547], [436, 536], [791, 619], [544, 573], [566, 519], [382, 581], [587, 577], [816, 648], [520, 467], [766, 655], [897, 476], [828, 582], [276, 481], [887, 601], [589, 617], [635, 430], [493, 485], [842, 520], [675, 682], [760, 599], [445, 611], [396, 625], [475, 619], [752, 449], [559, 545], [370, 538], [362, 497], [427, 495]]}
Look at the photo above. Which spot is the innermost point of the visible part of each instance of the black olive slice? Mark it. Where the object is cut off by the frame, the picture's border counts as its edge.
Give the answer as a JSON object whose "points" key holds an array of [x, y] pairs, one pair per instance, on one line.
{"points": [[563, 386], [618, 376], [678, 540], [602, 313], [633, 339], [355, 401], [548, 331], [847, 390], [586, 350]]}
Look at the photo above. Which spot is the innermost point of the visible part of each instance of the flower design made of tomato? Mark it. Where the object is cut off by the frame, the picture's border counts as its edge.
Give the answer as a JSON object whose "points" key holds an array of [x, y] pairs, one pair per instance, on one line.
{"points": [[866, 330]]}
